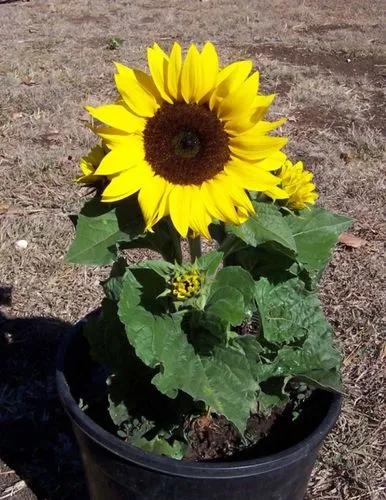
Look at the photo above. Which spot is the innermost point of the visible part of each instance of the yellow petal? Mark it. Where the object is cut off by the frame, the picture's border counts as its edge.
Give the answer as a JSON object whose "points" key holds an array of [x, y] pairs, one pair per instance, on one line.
{"points": [[151, 200], [245, 121], [262, 127], [179, 208], [209, 203], [236, 193], [229, 80], [191, 75], [239, 100], [276, 193], [88, 179], [174, 71], [199, 217], [134, 88], [142, 78], [117, 116], [252, 148], [239, 127], [261, 105], [119, 159], [158, 65], [251, 177], [86, 167], [220, 201], [112, 137], [126, 183], [272, 162], [209, 71]]}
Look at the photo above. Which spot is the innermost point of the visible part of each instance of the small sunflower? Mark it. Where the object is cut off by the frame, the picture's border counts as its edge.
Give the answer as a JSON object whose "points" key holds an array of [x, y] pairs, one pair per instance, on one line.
{"points": [[187, 284], [298, 185], [190, 139], [89, 163]]}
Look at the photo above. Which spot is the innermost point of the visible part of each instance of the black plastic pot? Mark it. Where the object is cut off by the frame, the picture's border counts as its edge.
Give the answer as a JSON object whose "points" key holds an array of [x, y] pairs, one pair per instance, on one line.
{"points": [[116, 470]]}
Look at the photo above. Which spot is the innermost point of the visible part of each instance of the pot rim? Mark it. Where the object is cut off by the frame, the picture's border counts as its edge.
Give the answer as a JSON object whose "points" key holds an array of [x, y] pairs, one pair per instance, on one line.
{"points": [[171, 466]]}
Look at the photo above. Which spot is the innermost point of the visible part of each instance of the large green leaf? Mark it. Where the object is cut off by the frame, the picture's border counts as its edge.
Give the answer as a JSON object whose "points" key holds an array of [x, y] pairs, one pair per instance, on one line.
{"points": [[288, 311], [267, 224], [100, 227], [292, 318], [316, 361], [316, 232], [223, 380]]}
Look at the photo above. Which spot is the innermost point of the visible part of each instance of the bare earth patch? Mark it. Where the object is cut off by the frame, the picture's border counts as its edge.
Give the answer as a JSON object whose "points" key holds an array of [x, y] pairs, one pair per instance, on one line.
{"points": [[327, 63]]}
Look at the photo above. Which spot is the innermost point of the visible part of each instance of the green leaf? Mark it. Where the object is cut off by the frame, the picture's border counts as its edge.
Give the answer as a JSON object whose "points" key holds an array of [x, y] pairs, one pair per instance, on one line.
{"points": [[266, 260], [272, 395], [106, 336], [119, 412], [160, 267], [160, 446], [316, 232], [100, 227], [223, 380], [288, 311], [228, 304], [267, 402], [113, 285], [291, 315], [316, 361], [210, 262], [205, 331], [267, 224], [231, 295]]}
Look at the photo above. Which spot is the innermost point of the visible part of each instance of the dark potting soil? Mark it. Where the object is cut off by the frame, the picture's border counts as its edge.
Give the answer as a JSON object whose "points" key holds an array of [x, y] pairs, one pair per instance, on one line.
{"points": [[213, 437]]}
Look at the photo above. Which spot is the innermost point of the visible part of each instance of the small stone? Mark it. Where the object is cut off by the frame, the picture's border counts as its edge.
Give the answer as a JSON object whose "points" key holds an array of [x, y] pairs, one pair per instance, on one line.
{"points": [[22, 244]]}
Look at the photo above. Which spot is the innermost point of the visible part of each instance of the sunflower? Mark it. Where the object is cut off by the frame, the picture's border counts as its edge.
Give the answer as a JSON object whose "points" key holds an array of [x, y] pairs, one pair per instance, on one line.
{"points": [[89, 163], [298, 185], [190, 138]]}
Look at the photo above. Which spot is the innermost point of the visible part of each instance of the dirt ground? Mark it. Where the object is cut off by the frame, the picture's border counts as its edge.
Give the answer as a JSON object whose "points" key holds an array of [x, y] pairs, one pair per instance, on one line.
{"points": [[326, 61]]}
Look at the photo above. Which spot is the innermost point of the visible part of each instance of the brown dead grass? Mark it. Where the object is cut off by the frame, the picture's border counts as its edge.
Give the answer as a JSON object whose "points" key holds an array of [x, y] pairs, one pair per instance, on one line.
{"points": [[326, 62]]}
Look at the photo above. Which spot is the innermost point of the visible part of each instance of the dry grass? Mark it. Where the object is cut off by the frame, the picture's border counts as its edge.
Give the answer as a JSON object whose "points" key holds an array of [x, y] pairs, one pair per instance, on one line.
{"points": [[326, 62]]}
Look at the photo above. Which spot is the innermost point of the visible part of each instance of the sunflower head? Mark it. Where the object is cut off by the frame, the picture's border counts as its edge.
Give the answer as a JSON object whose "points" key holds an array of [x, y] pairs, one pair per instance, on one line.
{"points": [[297, 183], [190, 138]]}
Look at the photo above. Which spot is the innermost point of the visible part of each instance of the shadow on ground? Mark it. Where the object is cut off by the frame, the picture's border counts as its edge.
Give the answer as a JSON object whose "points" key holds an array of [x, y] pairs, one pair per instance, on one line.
{"points": [[36, 440]]}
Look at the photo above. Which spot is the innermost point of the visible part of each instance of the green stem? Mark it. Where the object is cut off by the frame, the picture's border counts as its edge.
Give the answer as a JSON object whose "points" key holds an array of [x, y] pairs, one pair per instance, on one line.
{"points": [[194, 248], [176, 240]]}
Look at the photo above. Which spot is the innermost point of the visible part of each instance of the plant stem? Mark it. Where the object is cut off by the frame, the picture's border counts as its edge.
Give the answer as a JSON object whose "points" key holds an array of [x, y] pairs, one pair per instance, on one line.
{"points": [[194, 248], [176, 240]]}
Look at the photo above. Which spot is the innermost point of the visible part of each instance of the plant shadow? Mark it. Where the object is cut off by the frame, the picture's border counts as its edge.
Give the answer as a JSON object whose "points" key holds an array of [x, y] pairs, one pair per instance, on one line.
{"points": [[36, 438]]}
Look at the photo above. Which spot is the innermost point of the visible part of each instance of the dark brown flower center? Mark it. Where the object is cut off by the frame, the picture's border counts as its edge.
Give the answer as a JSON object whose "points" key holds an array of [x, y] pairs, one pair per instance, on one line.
{"points": [[186, 143]]}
